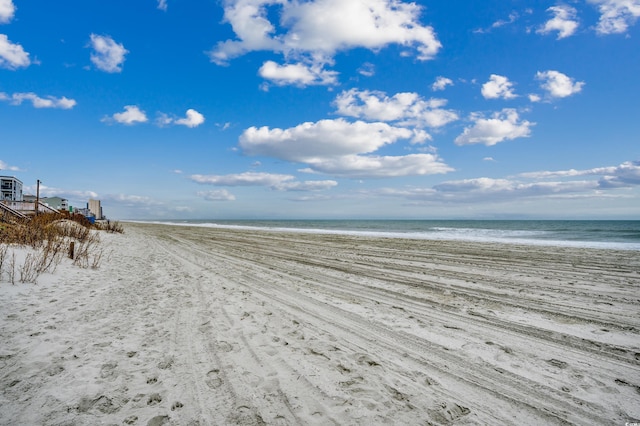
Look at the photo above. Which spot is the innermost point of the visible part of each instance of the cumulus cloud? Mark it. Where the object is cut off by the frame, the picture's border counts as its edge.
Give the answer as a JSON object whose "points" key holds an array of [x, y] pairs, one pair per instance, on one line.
{"points": [[107, 55], [12, 56], [557, 84], [193, 119], [7, 10], [616, 15], [564, 21], [533, 97], [37, 101], [323, 139], [162, 5], [131, 115], [216, 195], [407, 109], [441, 83], [503, 125], [497, 87], [296, 74], [336, 147], [312, 32]]}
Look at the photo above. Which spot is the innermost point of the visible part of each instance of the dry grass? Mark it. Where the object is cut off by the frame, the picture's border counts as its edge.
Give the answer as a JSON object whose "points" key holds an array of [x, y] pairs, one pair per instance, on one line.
{"points": [[48, 237]]}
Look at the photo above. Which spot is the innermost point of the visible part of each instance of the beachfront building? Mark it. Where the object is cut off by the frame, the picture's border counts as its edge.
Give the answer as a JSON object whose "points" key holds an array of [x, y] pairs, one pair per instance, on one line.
{"points": [[56, 203], [11, 188], [95, 208]]}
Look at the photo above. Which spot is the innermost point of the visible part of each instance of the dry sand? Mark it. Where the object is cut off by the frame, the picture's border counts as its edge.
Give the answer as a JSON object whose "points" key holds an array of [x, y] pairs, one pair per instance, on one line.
{"points": [[197, 326]]}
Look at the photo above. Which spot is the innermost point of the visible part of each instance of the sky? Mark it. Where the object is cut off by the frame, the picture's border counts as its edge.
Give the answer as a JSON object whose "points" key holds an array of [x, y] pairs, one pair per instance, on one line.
{"points": [[325, 109]]}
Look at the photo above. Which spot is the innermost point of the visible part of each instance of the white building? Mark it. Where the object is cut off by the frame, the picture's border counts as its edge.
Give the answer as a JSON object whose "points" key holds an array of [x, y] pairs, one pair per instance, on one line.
{"points": [[11, 188]]}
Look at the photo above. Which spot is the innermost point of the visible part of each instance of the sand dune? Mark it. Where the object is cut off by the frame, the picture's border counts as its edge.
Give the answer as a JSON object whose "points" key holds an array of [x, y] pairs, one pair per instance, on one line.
{"points": [[196, 326]]}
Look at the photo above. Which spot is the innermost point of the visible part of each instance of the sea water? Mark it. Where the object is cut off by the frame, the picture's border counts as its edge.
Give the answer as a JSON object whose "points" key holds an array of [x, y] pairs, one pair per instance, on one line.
{"points": [[607, 234]]}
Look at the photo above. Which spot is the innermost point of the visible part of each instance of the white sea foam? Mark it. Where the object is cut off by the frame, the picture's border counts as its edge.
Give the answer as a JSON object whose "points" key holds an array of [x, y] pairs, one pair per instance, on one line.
{"points": [[482, 235]]}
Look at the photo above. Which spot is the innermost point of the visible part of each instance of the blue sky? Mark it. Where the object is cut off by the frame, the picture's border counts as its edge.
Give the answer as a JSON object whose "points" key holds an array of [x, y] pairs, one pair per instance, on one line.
{"points": [[325, 109]]}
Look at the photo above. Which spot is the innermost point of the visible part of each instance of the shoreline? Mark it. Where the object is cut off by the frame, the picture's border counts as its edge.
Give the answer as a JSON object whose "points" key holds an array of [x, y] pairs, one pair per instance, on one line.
{"points": [[460, 235], [217, 326]]}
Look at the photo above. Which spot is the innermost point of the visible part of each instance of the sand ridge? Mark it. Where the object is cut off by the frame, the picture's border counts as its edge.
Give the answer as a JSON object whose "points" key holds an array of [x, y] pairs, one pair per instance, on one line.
{"points": [[194, 326]]}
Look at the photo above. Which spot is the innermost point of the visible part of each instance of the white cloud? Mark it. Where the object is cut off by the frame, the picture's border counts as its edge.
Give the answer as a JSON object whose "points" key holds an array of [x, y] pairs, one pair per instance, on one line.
{"points": [[5, 166], [525, 186], [243, 179], [38, 102], [129, 200], [564, 21], [616, 15], [312, 32], [404, 108], [506, 188], [216, 195], [504, 125], [626, 174], [12, 56], [131, 115], [513, 17], [70, 194], [307, 185], [162, 5], [498, 86], [193, 119], [441, 83], [367, 69], [278, 182], [108, 55], [323, 139], [370, 166], [534, 97], [7, 10], [335, 147], [296, 74], [557, 84]]}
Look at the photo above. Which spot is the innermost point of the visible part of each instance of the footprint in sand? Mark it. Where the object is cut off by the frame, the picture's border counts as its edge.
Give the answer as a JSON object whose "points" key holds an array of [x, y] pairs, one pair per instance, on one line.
{"points": [[154, 399], [213, 379], [108, 371], [158, 421]]}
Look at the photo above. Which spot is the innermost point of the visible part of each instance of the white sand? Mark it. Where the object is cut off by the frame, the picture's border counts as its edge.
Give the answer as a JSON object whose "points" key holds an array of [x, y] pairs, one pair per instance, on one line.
{"points": [[194, 326]]}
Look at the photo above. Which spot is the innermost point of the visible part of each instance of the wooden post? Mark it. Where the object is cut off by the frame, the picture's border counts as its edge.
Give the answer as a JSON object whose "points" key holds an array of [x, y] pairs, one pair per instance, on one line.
{"points": [[37, 196], [71, 249]]}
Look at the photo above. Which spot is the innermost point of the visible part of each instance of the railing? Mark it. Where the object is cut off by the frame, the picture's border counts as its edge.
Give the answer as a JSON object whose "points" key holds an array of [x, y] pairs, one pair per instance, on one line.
{"points": [[27, 206], [8, 210]]}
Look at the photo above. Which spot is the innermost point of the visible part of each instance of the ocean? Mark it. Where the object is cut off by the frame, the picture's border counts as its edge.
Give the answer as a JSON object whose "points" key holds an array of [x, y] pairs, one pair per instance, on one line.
{"points": [[605, 234]]}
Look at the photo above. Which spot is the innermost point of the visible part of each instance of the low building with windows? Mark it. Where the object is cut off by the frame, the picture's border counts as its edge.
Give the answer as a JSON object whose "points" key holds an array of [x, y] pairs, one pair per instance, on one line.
{"points": [[11, 188], [55, 203]]}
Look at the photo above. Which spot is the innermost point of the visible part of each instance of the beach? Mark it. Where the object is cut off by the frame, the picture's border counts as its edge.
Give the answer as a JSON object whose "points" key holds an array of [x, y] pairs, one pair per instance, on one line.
{"points": [[194, 326]]}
